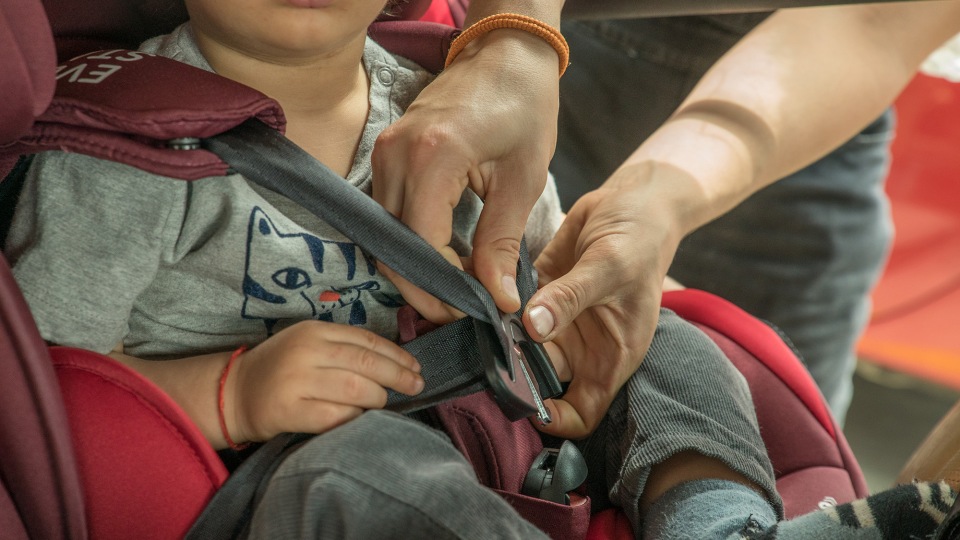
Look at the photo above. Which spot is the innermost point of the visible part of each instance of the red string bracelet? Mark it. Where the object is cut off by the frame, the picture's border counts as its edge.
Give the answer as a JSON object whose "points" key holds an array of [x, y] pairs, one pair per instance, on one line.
{"points": [[223, 381], [517, 22]]}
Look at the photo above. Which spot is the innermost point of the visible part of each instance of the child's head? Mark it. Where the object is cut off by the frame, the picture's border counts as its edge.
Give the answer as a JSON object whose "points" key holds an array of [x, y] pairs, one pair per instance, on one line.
{"points": [[284, 30]]}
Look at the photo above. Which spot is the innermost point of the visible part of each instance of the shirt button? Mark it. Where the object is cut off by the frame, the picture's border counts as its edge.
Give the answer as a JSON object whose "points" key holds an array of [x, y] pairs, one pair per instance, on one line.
{"points": [[386, 76]]}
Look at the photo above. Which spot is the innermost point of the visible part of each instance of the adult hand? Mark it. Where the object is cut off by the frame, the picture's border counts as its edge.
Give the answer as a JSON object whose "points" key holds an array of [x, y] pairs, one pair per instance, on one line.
{"points": [[488, 122], [601, 279]]}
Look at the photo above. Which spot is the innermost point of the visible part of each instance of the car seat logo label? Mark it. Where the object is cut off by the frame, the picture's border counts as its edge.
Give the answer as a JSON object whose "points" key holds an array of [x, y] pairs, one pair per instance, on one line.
{"points": [[93, 68]]}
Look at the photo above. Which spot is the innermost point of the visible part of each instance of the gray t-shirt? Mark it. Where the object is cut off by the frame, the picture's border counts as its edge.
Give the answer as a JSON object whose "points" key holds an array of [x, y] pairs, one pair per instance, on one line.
{"points": [[105, 252]]}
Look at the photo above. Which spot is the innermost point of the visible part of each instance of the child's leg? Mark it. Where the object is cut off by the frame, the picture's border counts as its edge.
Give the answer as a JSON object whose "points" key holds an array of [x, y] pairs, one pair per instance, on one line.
{"points": [[686, 413], [382, 476]]}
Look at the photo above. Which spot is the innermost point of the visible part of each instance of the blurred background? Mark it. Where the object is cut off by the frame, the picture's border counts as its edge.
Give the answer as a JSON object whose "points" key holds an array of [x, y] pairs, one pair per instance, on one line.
{"points": [[909, 370]]}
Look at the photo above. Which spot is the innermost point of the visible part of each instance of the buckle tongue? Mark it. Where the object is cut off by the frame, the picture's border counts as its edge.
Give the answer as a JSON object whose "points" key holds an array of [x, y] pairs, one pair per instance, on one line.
{"points": [[517, 368]]}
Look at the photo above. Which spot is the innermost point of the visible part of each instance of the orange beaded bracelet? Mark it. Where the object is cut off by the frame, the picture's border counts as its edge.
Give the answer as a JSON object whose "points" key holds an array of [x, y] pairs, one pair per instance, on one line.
{"points": [[220, 401], [518, 22]]}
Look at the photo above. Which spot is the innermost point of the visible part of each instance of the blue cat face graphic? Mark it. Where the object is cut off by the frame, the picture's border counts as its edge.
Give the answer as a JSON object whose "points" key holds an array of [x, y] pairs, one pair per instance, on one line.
{"points": [[300, 276]]}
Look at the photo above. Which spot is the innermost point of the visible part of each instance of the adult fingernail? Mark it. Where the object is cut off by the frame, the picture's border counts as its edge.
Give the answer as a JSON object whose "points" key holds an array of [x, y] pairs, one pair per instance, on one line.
{"points": [[509, 287], [542, 320], [418, 385]]}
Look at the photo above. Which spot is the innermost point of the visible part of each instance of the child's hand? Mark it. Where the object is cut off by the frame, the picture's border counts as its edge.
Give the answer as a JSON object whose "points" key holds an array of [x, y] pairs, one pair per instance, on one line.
{"points": [[312, 377]]}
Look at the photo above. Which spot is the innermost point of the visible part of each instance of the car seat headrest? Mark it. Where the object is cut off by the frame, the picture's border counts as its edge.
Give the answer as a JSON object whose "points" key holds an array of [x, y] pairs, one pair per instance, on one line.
{"points": [[26, 61]]}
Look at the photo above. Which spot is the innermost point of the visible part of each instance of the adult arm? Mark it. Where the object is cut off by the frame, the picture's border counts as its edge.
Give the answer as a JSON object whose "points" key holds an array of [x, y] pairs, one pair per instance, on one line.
{"points": [[796, 87], [488, 122]]}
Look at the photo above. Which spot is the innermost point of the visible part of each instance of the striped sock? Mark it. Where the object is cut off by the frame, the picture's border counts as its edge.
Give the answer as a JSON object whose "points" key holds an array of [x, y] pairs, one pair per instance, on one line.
{"points": [[908, 511]]}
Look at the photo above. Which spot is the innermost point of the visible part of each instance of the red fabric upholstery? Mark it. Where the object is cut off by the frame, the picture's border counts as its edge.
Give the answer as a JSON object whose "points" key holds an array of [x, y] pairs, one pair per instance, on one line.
{"points": [[147, 471], [439, 12], [609, 524], [810, 456]]}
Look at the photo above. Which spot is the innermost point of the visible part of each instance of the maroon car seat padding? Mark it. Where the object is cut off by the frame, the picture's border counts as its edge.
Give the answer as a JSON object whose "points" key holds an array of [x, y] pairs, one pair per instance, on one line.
{"points": [[146, 469], [27, 62], [40, 494], [125, 106]]}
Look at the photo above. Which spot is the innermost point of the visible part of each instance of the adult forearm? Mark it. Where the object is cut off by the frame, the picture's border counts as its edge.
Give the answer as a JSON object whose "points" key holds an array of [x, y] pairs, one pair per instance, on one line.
{"points": [[799, 85]]}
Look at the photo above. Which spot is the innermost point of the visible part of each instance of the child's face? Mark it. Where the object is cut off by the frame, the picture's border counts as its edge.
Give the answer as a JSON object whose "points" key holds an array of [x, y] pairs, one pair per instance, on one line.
{"points": [[281, 30]]}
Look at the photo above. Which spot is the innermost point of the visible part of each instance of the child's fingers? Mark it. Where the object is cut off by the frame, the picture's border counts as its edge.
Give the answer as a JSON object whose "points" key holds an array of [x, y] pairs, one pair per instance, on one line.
{"points": [[351, 335], [344, 387], [364, 362]]}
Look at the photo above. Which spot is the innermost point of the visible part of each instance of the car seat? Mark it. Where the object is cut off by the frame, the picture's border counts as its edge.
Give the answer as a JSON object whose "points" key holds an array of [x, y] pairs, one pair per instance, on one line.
{"points": [[148, 472]]}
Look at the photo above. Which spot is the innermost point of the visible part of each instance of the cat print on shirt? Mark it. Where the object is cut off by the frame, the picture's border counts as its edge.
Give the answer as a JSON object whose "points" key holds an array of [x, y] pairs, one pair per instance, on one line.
{"points": [[298, 276]]}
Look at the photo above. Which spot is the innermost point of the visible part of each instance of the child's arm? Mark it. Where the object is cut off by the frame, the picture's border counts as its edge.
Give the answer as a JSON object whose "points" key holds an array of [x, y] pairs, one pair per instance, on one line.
{"points": [[308, 378]]}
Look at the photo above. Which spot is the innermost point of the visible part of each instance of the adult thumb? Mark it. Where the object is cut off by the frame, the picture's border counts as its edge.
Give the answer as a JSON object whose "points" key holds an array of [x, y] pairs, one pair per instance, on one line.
{"points": [[561, 301]]}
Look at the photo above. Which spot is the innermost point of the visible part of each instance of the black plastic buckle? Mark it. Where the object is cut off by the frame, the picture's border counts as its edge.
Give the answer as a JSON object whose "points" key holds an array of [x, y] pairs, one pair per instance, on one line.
{"points": [[517, 368], [554, 473]]}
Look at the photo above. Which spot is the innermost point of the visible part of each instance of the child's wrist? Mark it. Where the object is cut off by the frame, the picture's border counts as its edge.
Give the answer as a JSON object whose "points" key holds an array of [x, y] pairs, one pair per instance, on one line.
{"points": [[227, 403]]}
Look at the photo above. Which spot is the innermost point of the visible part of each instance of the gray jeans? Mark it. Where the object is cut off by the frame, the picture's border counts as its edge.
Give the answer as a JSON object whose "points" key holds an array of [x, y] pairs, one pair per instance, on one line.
{"points": [[803, 254], [387, 476]]}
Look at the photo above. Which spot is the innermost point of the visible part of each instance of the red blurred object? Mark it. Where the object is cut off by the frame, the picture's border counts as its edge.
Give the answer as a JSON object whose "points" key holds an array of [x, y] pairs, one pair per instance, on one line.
{"points": [[916, 309], [439, 12]]}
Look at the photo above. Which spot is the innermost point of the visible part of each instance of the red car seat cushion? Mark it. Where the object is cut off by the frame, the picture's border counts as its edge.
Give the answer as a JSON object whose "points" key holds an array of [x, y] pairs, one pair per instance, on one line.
{"points": [[144, 466]]}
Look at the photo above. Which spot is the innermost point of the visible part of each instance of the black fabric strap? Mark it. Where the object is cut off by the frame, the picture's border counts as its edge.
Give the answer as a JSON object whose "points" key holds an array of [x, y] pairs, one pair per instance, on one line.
{"points": [[228, 513]]}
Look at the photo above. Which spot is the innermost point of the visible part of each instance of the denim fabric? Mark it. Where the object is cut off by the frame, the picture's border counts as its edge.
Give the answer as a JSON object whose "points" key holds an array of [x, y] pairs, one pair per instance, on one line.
{"points": [[802, 254]]}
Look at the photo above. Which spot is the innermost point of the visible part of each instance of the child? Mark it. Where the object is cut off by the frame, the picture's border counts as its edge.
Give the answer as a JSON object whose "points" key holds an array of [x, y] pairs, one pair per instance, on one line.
{"points": [[175, 279]]}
